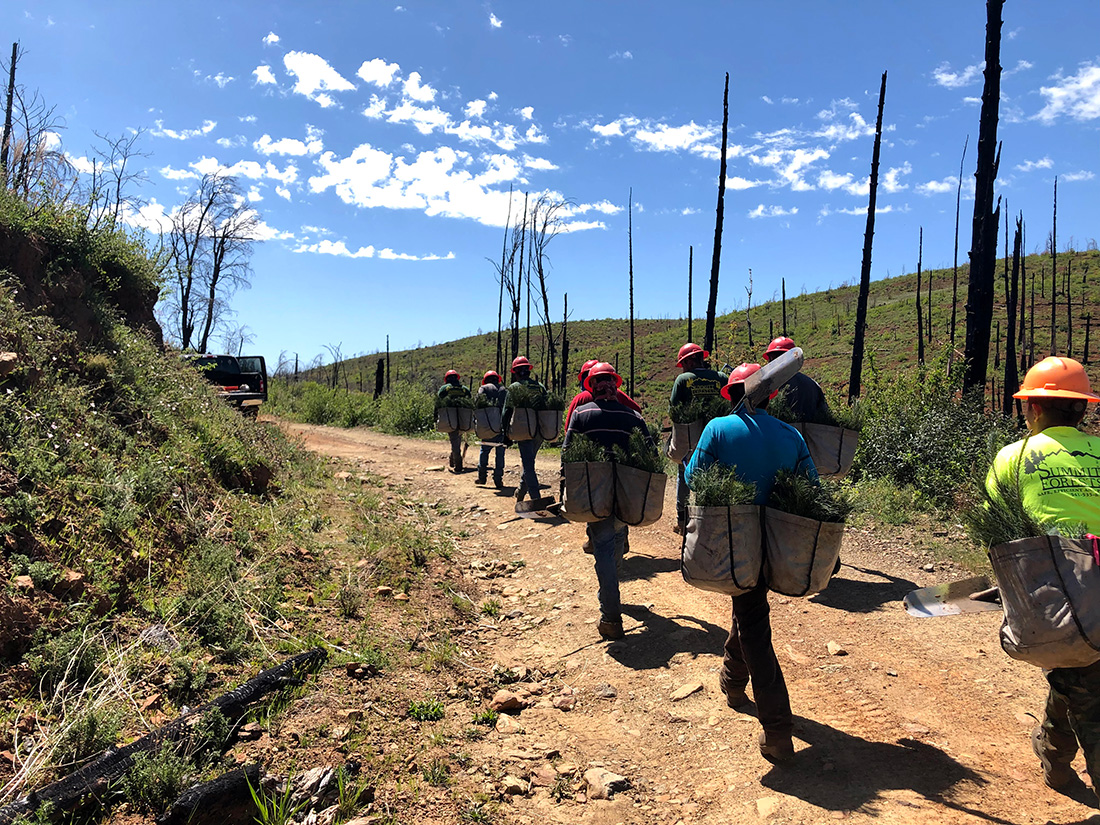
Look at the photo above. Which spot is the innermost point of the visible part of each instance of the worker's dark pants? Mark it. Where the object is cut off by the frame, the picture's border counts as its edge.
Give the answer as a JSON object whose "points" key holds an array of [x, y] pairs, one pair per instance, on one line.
{"points": [[527, 452], [498, 461], [607, 538], [749, 655], [456, 449], [682, 493], [1072, 717]]}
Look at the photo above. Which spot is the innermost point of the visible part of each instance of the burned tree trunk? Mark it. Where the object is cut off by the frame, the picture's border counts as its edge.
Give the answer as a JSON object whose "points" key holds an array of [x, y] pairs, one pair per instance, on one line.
{"points": [[630, 266], [691, 255], [1069, 311], [784, 282], [712, 302], [387, 363], [565, 344], [380, 378], [5, 140], [1012, 294], [500, 299], [920, 325], [855, 377], [955, 268], [983, 243], [1054, 274]]}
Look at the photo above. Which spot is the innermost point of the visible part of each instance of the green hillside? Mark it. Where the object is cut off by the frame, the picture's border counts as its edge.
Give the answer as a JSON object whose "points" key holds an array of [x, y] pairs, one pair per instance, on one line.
{"points": [[821, 323]]}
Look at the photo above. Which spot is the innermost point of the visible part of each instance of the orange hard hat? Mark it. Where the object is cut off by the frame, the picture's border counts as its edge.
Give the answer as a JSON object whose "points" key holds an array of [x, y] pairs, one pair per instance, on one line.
{"points": [[520, 362], [689, 349], [602, 368], [450, 373], [490, 374], [1056, 377], [780, 344], [585, 367]]}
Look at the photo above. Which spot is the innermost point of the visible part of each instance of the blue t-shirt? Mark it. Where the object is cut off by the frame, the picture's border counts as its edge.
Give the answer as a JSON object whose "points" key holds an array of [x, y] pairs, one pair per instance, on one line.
{"points": [[757, 445]]}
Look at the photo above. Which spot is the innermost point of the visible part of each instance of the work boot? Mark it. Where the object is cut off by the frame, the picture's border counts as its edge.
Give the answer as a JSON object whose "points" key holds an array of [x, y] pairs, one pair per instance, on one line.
{"points": [[681, 523], [736, 697], [776, 747], [498, 480], [587, 547], [1056, 775], [611, 630], [481, 474], [521, 492]]}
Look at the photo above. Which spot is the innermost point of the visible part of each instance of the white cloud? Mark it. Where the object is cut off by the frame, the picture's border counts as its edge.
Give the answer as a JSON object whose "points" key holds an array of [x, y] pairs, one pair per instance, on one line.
{"points": [[830, 180], [291, 146], [495, 21], [378, 72], [624, 55], [254, 195], [826, 211], [527, 112], [440, 182], [283, 193], [83, 165], [271, 39], [315, 77], [949, 184], [231, 143], [340, 249], [738, 183], [944, 76], [891, 181], [264, 76], [186, 134], [1021, 66], [664, 138], [688, 210], [421, 93], [493, 95], [972, 101], [247, 118], [538, 164], [605, 207], [425, 120], [221, 80], [1077, 96], [1073, 177], [762, 211], [767, 100], [615, 127], [791, 100], [476, 108], [1032, 165]]}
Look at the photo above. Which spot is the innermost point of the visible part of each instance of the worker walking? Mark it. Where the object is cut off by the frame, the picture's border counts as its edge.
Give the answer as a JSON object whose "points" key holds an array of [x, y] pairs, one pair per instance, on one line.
{"points": [[584, 396], [696, 380], [608, 422], [804, 395], [452, 388], [1057, 468], [758, 446], [528, 449], [492, 387]]}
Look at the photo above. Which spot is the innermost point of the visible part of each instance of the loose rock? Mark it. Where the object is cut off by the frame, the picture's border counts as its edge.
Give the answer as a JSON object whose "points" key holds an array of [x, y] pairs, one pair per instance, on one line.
{"points": [[603, 784], [685, 691], [836, 649]]}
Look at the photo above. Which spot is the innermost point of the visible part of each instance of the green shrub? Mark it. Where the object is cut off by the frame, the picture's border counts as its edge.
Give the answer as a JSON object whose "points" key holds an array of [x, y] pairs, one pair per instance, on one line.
{"points": [[796, 494], [407, 410], [881, 500], [155, 779], [582, 448], [719, 486], [430, 710], [93, 730]]}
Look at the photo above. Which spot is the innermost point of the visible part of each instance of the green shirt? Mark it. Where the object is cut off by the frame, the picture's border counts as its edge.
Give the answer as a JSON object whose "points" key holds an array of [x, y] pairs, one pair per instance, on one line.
{"points": [[1058, 472], [700, 383], [450, 390]]}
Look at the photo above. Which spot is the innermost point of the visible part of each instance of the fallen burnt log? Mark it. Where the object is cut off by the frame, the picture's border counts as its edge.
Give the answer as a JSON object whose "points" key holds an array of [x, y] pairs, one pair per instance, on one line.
{"points": [[225, 800], [92, 781]]}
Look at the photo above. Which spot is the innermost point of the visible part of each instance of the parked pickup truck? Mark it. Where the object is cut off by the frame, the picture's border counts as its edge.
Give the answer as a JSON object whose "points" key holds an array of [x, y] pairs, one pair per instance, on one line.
{"points": [[242, 380]]}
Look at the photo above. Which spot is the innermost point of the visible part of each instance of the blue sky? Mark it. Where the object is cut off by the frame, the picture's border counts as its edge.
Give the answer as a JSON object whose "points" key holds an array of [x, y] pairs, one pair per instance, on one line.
{"points": [[377, 141]]}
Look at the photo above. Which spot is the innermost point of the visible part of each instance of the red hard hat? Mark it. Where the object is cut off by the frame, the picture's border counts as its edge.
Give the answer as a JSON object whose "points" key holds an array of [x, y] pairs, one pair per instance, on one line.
{"points": [[739, 375], [585, 368], [521, 361], [689, 349], [490, 374], [449, 373], [602, 368], [780, 344]]}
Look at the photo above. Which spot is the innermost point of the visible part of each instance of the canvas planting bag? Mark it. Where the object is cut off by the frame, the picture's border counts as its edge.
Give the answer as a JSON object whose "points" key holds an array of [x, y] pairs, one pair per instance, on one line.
{"points": [[800, 553], [833, 449], [1050, 591], [549, 424], [589, 491], [723, 549], [524, 425], [684, 439], [465, 419], [639, 495], [487, 422], [446, 419]]}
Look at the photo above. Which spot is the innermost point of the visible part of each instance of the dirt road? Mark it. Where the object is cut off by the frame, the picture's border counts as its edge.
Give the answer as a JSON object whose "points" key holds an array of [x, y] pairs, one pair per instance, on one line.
{"points": [[918, 720]]}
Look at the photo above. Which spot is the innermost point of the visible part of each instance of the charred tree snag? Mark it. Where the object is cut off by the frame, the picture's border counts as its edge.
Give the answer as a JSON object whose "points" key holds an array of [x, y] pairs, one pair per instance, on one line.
{"points": [[1012, 295], [856, 376], [955, 268], [920, 323], [712, 302], [630, 266], [784, 282], [1054, 273], [983, 243], [691, 254]]}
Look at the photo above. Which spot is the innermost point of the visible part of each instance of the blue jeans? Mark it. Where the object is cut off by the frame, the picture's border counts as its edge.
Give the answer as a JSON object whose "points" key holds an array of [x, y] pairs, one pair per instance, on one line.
{"points": [[498, 464], [527, 451], [605, 535], [682, 493]]}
